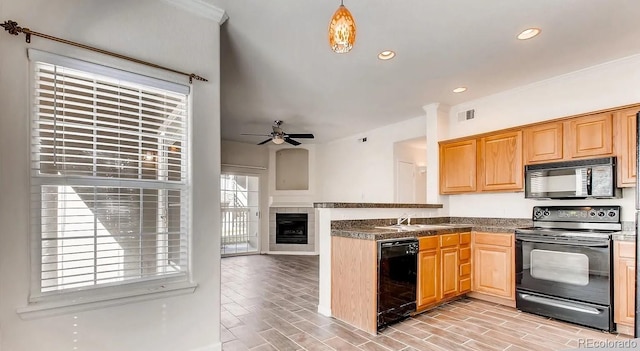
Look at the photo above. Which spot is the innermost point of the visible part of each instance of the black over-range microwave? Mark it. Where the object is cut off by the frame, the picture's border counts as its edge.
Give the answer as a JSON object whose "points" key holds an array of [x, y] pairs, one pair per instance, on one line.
{"points": [[580, 179]]}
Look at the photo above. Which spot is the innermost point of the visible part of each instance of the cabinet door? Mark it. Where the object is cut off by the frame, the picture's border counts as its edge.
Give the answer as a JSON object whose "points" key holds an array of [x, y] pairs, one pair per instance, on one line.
{"points": [[493, 266], [500, 166], [428, 277], [590, 136], [626, 146], [449, 271], [458, 167], [624, 282], [543, 143]]}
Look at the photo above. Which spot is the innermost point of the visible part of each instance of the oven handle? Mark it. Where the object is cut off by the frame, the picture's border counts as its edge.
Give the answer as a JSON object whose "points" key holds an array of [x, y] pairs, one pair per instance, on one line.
{"points": [[559, 304], [572, 243]]}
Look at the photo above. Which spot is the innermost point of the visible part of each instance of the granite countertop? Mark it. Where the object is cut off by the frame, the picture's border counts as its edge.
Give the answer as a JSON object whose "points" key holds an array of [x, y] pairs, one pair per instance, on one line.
{"points": [[373, 233], [372, 205], [366, 229]]}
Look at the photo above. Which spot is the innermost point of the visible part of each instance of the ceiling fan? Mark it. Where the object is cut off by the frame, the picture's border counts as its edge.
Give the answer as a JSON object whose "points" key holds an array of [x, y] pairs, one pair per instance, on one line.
{"points": [[278, 136]]}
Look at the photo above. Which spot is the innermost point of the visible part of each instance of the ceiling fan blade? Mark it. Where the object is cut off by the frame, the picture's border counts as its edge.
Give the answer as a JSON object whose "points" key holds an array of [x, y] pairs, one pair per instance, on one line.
{"points": [[256, 134], [292, 142], [301, 136], [264, 142]]}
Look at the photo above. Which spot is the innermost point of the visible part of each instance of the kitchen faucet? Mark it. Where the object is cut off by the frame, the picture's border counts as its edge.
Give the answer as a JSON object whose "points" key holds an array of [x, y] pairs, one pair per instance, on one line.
{"points": [[404, 217]]}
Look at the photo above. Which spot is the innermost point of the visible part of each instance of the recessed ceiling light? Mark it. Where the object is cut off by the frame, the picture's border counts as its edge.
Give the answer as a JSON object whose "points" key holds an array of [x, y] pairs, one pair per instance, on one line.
{"points": [[528, 33], [386, 55], [460, 90]]}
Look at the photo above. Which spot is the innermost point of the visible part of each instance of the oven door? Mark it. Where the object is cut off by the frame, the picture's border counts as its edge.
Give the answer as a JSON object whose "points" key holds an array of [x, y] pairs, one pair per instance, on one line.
{"points": [[564, 267]]}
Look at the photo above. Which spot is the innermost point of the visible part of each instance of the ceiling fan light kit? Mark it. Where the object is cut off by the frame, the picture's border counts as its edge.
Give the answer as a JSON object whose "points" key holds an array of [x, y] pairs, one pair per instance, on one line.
{"points": [[342, 30], [278, 139]]}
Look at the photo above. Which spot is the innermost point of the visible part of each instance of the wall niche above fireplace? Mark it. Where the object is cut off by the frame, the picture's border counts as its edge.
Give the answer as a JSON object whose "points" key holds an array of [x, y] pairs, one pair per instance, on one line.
{"points": [[292, 169]]}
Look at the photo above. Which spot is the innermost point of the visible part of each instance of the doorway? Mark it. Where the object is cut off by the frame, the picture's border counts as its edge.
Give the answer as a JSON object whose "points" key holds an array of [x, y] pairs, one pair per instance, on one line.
{"points": [[239, 214], [410, 180], [405, 182]]}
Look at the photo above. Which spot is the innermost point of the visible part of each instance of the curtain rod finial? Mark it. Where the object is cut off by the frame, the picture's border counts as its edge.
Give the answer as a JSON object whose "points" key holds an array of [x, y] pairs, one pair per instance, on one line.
{"points": [[193, 76], [11, 27]]}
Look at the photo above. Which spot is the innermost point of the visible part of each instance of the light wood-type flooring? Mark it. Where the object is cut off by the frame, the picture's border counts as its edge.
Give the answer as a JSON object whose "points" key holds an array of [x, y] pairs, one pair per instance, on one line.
{"points": [[270, 303]]}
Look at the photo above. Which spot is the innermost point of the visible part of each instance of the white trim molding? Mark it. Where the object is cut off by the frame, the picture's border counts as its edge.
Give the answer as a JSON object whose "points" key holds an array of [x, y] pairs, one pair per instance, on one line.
{"points": [[202, 8]]}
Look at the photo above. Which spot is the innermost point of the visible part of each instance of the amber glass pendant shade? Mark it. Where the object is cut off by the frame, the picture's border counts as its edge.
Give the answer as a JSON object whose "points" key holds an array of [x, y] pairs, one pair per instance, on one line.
{"points": [[342, 31]]}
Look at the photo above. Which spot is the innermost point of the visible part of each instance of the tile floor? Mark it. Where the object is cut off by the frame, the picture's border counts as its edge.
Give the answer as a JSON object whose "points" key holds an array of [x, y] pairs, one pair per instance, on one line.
{"points": [[270, 303]]}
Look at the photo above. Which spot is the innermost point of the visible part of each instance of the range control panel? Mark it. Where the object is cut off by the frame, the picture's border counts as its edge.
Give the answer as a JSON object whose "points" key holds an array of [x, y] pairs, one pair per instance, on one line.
{"points": [[608, 214]]}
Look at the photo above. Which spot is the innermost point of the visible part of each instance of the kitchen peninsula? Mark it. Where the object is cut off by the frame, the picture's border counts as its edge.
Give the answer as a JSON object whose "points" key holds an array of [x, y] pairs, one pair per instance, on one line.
{"points": [[348, 254]]}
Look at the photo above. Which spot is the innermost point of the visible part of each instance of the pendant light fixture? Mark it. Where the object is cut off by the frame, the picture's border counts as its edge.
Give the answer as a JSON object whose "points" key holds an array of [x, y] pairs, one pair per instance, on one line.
{"points": [[342, 30]]}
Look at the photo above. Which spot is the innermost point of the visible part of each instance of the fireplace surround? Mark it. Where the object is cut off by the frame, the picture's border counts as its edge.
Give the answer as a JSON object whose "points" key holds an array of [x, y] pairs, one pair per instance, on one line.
{"points": [[293, 239]]}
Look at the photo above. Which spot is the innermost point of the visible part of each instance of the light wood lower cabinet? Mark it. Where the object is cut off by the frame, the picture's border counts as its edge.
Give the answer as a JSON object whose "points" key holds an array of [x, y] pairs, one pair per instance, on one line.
{"points": [[444, 268], [624, 280], [428, 272], [449, 264], [464, 268], [494, 265]]}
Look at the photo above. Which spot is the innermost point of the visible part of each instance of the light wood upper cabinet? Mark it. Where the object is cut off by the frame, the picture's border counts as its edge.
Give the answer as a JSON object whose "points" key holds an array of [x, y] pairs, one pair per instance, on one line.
{"points": [[458, 167], [589, 136], [625, 121], [624, 278], [493, 264], [543, 142], [500, 162], [495, 161]]}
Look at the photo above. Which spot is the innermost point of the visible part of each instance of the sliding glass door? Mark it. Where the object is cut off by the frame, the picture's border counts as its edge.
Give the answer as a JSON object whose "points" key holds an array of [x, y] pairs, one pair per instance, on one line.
{"points": [[240, 213]]}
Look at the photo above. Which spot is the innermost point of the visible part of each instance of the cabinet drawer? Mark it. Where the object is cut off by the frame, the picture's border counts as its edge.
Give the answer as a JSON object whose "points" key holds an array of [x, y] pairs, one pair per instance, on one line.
{"points": [[465, 253], [427, 243], [465, 238], [494, 239], [449, 240], [465, 269], [626, 249], [465, 285]]}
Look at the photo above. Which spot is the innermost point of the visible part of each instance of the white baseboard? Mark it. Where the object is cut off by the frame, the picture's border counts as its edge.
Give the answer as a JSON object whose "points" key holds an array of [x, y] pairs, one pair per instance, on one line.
{"points": [[212, 347], [324, 310]]}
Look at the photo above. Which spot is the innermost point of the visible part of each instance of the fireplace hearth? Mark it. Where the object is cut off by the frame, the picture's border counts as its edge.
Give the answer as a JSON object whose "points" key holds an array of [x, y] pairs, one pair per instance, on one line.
{"points": [[292, 228]]}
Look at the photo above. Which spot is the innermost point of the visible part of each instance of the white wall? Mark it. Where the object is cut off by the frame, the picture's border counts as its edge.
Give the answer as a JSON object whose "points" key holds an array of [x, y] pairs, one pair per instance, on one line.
{"points": [[149, 30], [355, 171], [236, 153], [604, 86]]}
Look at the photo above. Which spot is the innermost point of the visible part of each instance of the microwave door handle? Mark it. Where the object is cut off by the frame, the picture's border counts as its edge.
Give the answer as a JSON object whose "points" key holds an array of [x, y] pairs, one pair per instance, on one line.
{"points": [[589, 182]]}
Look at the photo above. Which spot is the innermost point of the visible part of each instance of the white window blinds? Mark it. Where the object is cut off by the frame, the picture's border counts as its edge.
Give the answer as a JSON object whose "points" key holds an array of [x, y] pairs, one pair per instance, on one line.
{"points": [[109, 180]]}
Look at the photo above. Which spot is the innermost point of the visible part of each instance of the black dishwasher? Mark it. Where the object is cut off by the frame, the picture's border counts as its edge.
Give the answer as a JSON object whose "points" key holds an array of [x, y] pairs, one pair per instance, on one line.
{"points": [[397, 267]]}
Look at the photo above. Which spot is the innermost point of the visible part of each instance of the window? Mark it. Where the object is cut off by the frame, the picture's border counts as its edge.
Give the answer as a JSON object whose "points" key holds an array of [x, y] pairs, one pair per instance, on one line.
{"points": [[109, 177]]}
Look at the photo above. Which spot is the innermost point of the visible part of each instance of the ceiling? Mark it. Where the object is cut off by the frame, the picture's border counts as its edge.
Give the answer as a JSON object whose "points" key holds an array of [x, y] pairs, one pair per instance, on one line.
{"points": [[276, 62]]}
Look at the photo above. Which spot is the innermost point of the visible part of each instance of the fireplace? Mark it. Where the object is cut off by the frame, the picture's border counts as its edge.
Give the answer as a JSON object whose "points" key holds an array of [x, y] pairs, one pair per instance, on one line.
{"points": [[291, 228]]}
